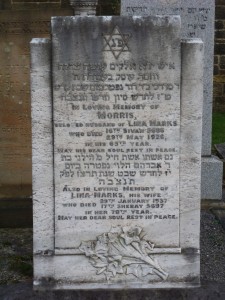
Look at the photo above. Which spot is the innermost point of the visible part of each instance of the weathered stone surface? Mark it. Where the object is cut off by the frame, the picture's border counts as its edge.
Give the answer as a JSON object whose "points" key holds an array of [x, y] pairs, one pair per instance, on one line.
{"points": [[127, 154], [197, 19], [212, 174], [191, 135], [42, 146], [105, 118]]}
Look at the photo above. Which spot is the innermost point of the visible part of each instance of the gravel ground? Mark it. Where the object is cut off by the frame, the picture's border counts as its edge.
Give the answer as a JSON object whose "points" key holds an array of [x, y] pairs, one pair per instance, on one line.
{"points": [[16, 270], [15, 255], [212, 248]]}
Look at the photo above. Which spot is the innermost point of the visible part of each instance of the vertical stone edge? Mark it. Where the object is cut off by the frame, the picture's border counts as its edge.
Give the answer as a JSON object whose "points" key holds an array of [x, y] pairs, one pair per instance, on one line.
{"points": [[208, 81], [191, 144], [212, 166], [42, 156]]}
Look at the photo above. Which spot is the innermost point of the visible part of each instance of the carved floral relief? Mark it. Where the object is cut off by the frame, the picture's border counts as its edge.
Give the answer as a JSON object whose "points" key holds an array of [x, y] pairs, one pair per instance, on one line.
{"points": [[122, 250]]}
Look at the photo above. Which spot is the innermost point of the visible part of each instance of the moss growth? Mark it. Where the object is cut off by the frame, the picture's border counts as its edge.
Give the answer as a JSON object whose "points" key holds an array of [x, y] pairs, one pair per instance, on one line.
{"points": [[218, 128], [108, 7], [116, 7], [6, 243], [21, 264]]}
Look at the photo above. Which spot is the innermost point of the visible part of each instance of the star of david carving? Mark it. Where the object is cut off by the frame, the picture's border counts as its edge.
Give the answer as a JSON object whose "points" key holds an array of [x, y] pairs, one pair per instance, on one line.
{"points": [[116, 42]]}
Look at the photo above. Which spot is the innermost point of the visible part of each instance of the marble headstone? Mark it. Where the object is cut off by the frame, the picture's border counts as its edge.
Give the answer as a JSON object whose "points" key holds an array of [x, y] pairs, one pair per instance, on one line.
{"points": [[197, 21], [116, 181]]}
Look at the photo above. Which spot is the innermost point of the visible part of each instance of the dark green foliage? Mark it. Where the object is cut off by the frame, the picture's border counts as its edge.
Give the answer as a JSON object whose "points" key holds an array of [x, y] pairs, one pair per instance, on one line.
{"points": [[6, 243], [21, 264], [108, 7], [218, 129]]}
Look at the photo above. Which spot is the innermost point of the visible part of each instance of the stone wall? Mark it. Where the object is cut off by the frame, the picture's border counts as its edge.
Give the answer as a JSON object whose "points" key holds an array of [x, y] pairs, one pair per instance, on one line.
{"points": [[219, 63], [19, 23]]}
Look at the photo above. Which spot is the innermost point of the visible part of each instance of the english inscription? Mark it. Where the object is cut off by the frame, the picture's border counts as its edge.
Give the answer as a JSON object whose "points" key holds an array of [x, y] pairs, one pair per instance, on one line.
{"points": [[117, 126]]}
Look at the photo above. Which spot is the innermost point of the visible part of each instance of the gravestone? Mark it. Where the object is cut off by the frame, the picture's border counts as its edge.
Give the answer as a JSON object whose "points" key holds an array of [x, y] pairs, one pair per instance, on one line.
{"points": [[197, 18], [116, 132]]}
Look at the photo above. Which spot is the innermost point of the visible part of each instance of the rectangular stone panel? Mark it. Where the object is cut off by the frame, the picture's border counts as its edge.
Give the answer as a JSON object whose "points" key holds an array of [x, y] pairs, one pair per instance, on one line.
{"points": [[197, 21], [116, 128]]}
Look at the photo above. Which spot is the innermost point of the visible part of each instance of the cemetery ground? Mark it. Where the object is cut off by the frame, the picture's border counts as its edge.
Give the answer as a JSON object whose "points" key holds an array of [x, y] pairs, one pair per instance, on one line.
{"points": [[16, 268]]}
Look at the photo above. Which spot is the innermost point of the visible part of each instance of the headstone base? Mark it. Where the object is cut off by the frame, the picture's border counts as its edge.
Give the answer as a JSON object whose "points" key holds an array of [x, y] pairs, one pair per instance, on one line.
{"points": [[212, 174]]}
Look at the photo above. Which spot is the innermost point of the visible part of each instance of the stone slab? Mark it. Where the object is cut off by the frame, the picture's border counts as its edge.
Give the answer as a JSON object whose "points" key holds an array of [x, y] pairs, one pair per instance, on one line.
{"points": [[110, 203], [107, 139], [197, 19], [212, 174], [220, 148]]}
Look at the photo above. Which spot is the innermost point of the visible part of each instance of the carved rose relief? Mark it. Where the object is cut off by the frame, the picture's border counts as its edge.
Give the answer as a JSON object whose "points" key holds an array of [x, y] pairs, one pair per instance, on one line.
{"points": [[123, 250]]}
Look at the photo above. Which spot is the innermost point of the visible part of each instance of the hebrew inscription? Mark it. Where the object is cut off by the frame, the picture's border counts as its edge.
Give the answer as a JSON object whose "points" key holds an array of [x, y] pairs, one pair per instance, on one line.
{"points": [[197, 19], [116, 132]]}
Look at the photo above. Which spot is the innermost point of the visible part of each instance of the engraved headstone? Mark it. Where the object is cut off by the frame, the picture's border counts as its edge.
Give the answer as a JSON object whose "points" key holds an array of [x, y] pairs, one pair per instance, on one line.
{"points": [[197, 21], [117, 183]]}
